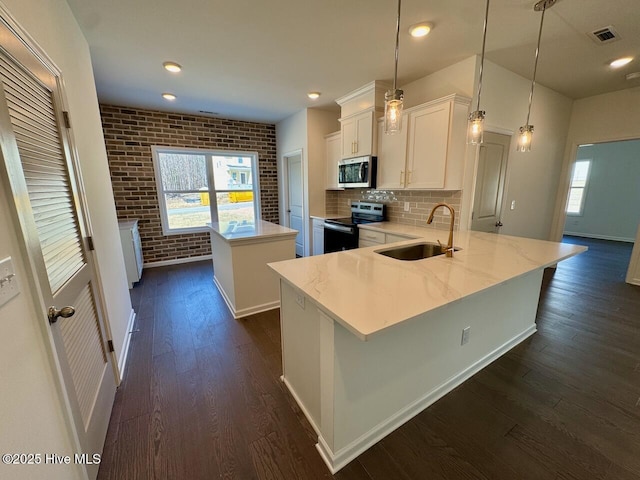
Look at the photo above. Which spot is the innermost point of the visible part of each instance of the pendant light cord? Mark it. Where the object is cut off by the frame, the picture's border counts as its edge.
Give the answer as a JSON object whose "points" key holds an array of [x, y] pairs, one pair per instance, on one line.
{"points": [[535, 64], [484, 42], [395, 72]]}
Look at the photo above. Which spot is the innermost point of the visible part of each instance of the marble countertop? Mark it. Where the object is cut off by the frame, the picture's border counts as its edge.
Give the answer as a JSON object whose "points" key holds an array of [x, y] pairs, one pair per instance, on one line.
{"points": [[367, 292], [242, 232]]}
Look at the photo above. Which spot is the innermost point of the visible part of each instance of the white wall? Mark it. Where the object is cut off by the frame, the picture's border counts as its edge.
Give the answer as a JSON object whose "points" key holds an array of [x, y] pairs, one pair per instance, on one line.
{"points": [[305, 130], [601, 118], [612, 196], [30, 405]]}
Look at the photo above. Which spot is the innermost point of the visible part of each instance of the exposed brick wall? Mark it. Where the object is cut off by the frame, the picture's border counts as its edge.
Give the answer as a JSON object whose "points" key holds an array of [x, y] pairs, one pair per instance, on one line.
{"points": [[129, 134]]}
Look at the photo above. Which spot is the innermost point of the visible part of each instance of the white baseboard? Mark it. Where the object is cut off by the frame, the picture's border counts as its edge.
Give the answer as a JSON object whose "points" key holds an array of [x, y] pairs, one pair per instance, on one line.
{"points": [[124, 351], [244, 312], [336, 461], [600, 237], [177, 261]]}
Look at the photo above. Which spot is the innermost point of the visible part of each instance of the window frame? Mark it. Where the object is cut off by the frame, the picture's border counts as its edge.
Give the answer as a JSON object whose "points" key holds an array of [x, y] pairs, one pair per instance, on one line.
{"points": [[209, 154], [580, 212]]}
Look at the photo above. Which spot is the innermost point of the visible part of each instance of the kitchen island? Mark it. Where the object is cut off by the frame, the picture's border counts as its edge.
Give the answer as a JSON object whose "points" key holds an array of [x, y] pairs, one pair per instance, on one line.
{"points": [[240, 253], [369, 341]]}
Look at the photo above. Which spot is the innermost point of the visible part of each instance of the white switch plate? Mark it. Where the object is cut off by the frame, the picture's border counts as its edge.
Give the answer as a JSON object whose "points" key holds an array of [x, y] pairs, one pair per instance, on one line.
{"points": [[513, 204], [300, 300], [446, 212], [406, 206], [9, 287], [465, 335]]}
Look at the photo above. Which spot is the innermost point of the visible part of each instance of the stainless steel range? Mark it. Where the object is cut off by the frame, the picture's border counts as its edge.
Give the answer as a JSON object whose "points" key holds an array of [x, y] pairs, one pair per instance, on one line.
{"points": [[342, 233]]}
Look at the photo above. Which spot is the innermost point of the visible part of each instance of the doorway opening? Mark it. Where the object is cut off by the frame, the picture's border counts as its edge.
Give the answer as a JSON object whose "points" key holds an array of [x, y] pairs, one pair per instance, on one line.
{"points": [[294, 198]]}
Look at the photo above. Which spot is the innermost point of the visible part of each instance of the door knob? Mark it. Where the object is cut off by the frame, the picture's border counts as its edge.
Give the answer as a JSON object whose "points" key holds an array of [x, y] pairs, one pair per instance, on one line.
{"points": [[499, 223], [64, 312]]}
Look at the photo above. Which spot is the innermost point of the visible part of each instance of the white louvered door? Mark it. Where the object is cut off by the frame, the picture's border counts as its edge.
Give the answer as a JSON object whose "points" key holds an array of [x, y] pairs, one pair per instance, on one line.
{"points": [[37, 158]]}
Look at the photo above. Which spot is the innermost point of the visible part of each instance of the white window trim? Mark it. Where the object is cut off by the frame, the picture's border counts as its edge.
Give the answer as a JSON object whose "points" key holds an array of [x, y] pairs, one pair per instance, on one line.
{"points": [[580, 212], [213, 205]]}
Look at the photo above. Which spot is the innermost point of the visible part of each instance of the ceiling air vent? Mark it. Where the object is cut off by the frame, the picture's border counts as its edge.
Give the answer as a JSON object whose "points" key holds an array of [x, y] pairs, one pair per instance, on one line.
{"points": [[604, 35]]}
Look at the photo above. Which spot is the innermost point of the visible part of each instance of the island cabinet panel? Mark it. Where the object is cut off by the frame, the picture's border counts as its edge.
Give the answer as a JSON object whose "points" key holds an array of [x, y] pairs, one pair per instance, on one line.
{"points": [[356, 392], [429, 151], [358, 135], [318, 236]]}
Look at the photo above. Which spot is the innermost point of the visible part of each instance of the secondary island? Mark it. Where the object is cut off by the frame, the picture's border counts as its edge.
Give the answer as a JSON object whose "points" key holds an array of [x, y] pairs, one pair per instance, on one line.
{"points": [[369, 341], [240, 253]]}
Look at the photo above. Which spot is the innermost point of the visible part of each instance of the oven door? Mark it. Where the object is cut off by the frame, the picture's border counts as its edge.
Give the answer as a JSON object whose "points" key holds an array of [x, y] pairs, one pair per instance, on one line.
{"points": [[339, 237]]}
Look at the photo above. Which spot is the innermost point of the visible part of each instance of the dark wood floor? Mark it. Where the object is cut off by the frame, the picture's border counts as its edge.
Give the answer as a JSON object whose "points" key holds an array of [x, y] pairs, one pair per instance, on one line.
{"points": [[202, 400]]}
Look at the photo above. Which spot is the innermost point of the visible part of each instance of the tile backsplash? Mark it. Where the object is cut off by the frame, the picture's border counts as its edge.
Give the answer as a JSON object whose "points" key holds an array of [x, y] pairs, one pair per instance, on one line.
{"points": [[420, 204]]}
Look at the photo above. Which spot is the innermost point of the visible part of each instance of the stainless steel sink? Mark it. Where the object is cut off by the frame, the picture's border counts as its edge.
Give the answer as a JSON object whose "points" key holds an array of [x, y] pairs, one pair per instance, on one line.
{"points": [[414, 252]]}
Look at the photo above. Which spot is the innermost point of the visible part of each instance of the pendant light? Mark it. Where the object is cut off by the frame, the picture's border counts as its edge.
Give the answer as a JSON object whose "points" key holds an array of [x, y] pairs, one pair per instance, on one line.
{"points": [[393, 98], [475, 132], [526, 131]]}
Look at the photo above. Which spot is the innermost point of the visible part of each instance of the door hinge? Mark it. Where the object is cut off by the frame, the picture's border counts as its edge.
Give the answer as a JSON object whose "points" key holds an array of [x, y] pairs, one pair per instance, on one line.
{"points": [[110, 345], [67, 122], [90, 243]]}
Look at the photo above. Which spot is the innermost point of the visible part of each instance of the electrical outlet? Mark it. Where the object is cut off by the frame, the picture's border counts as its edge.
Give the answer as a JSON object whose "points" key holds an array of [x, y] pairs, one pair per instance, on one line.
{"points": [[9, 287], [513, 204], [300, 300], [446, 212], [465, 335], [407, 207], [348, 202]]}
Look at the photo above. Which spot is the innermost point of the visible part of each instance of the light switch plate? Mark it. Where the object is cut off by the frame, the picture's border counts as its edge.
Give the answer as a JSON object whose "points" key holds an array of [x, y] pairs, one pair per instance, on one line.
{"points": [[465, 335], [513, 204], [300, 300], [9, 287], [406, 207]]}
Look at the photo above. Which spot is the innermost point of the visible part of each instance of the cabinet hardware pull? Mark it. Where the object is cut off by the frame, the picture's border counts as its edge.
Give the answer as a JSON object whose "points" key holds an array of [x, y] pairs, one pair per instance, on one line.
{"points": [[356, 146], [410, 172], [401, 175]]}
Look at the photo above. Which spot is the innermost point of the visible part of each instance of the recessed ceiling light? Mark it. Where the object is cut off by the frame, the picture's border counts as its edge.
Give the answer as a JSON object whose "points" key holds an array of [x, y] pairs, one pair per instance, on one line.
{"points": [[420, 29], [621, 62], [169, 96], [173, 67], [313, 95]]}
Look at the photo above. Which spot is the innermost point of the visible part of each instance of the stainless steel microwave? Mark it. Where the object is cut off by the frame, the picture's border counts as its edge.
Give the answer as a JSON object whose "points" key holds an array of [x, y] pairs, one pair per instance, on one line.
{"points": [[357, 172]]}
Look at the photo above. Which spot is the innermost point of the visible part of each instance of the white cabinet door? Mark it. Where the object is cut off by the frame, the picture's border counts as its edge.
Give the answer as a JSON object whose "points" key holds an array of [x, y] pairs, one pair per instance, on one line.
{"points": [[333, 155], [318, 236], [357, 135], [392, 155], [427, 149]]}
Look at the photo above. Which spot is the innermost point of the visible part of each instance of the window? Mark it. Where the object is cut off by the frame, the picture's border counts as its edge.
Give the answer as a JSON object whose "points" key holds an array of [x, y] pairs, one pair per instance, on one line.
{"points": [[579, 180], [196, 187]]}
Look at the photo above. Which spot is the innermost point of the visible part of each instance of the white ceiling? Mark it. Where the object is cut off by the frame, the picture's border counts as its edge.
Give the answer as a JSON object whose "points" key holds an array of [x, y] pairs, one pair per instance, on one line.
{"points": [[256, 60]]}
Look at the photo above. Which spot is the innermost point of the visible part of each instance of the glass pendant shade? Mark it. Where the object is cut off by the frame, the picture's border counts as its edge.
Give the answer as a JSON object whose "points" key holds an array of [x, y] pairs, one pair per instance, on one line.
{"points": [[475, 131], [393, 111], [524, 139]]}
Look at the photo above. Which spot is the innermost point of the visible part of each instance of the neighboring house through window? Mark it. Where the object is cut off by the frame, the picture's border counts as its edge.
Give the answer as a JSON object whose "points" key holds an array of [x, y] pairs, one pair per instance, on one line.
{"points": [[579, 181], [196, 187]]}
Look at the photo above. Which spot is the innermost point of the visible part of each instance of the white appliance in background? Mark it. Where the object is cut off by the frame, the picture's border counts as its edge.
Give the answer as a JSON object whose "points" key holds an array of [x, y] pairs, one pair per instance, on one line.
{"points": [[357, 172], [131, 249]]}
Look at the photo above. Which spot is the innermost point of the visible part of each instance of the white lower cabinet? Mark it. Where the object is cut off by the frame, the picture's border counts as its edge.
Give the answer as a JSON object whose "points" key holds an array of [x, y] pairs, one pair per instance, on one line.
{"points": [[131, 250], [318, 236], [372, 238]]}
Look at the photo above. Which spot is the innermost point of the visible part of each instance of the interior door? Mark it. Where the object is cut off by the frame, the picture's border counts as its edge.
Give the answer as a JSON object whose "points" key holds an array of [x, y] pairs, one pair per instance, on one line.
{"points": [[295, 200], [492, 169], [37, 157]]}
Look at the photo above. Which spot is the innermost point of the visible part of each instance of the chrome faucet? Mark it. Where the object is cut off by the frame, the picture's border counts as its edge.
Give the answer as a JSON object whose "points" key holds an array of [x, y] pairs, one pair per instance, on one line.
{"points": [[448, 249]]}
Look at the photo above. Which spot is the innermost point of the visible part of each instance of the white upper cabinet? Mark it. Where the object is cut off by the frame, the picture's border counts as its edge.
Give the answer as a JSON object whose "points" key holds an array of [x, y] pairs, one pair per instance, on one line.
{"points": [[333, 152], [357, 135], [392, 157], [429, 152]]}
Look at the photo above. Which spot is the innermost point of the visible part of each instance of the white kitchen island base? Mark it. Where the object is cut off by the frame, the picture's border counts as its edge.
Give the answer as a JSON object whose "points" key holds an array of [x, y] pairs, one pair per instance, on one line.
{"points": [[240, 258], [354, 393]]}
